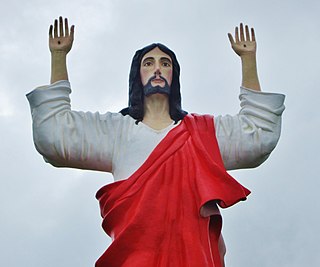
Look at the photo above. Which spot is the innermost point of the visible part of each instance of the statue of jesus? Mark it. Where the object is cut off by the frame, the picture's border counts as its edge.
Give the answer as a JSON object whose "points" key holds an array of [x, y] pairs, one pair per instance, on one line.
{"points": [[169, 166]]}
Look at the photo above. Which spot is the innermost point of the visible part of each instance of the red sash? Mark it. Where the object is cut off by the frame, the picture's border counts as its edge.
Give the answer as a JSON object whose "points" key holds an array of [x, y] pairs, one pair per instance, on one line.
{"points": [[165, 213]]}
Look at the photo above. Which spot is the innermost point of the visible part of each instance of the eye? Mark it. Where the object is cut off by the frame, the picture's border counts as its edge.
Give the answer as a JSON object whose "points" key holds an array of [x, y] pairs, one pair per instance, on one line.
{"points": [[166, 64], [147, 64]]}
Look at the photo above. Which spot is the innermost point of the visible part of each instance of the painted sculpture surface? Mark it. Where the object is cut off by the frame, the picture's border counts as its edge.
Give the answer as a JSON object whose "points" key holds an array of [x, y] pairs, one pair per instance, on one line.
{"points": [[170, 167]]}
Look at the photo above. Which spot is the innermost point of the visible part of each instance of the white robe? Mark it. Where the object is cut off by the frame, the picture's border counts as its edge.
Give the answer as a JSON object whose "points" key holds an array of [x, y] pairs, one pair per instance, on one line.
{"points": [[113, 143]]}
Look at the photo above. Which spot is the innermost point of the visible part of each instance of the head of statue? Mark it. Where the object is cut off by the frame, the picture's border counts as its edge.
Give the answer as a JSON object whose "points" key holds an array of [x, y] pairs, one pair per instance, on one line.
{"points": [[154, 69]]}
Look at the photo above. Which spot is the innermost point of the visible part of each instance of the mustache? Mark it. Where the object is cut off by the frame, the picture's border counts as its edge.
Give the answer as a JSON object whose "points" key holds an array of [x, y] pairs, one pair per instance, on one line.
{"points": [[155, 76], [148, 89]]}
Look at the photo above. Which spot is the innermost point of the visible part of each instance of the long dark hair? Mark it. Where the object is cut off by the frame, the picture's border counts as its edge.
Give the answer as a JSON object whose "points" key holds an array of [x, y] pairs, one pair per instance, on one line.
{"points": [[136, 95]]}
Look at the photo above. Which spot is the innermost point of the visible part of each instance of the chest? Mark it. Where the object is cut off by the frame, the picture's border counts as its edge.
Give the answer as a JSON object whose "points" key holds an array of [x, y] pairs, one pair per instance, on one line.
{"points": [[132, 147]]}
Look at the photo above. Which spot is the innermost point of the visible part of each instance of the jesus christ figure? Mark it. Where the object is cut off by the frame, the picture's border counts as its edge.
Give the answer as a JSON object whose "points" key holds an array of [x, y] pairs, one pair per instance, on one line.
{"points": [[169, 167]]}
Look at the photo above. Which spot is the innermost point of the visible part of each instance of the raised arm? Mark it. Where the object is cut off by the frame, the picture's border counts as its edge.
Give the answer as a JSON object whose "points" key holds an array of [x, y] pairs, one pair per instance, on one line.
{"points": [[244, 45], [60, 43], [68, 138]]}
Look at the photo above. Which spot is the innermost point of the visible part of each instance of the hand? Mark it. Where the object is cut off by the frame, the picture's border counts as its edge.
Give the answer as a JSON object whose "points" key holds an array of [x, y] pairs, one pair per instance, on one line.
{"points": [[244, 44], [61, 42]]}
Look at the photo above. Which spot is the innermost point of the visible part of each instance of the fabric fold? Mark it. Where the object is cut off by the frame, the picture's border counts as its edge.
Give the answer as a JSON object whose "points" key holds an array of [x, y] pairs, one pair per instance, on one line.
{"points": [[166, 213]]}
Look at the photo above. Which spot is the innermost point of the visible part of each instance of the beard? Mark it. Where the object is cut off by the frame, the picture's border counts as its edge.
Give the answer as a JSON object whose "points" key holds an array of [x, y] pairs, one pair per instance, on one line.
{"points": [[149, 89]]}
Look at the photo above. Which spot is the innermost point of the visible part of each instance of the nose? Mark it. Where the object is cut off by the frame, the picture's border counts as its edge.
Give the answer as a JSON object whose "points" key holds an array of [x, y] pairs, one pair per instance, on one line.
{"points": [[157, 69], [157, 72]]}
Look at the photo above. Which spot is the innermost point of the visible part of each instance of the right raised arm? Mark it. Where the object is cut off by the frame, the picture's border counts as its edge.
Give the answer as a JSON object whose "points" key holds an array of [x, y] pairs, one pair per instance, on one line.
{"points": [[60, 43], [68, 138], [64, 137]]}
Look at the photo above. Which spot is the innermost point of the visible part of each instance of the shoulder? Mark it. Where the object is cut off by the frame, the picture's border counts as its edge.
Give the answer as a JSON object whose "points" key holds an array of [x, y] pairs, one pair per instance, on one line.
{"points": [[199, 122], [198, 119], [117, 120], [195, 117]]}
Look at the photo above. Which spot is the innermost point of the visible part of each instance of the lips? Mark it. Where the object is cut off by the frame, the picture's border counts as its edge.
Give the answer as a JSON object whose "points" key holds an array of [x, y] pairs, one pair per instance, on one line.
{"points": [[157, 80]]}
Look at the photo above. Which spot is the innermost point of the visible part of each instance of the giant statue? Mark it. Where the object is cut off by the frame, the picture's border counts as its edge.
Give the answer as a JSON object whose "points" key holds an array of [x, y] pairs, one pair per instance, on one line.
{"points": [[169, 166]]}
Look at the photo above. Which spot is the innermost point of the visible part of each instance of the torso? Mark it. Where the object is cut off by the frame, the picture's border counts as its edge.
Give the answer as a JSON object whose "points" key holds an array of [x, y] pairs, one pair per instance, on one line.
{"points": [[134, 145]]}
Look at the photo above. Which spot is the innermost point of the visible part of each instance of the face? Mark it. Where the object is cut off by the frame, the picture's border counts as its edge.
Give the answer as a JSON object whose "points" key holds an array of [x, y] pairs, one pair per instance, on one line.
{"points": [[156, 72]]}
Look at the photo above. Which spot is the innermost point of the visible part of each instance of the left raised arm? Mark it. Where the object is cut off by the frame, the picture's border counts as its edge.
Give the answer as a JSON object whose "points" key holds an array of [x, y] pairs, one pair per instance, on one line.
{"points": [[247, 139], [245, 46]]}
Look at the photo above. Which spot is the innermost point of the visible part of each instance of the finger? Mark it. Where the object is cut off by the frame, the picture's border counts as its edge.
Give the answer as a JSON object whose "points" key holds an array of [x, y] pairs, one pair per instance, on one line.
{"points": [[247, 33], [253, 36], [50, 31], [241, 33], [237, 35], [231, 38], [55, 30], [66, 27], [72, 31], [61, 26]]}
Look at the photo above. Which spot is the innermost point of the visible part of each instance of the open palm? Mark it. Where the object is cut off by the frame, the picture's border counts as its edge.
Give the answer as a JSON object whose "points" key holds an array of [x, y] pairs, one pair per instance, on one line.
{"points": [[243, 43], [60, 38]]}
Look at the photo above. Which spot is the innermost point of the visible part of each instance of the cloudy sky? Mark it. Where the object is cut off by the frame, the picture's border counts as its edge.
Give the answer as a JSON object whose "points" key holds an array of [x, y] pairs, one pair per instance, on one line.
{"points": [[49, 216]]}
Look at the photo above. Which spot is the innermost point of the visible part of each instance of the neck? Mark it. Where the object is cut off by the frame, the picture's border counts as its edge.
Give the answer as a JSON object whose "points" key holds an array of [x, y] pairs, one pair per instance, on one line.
{"points": [[156, 111]]}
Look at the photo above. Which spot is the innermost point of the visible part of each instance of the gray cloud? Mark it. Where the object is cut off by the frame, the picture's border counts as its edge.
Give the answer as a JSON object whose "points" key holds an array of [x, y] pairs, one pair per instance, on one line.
{"points": [[49, 216]]}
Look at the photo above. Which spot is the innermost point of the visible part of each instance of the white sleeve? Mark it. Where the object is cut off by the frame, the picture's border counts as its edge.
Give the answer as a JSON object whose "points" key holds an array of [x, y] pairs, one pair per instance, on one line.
{"points": [[69, 138], [247, 139]]}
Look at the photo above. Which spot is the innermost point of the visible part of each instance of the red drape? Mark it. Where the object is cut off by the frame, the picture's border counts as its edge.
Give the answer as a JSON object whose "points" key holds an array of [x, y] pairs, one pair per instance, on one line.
{"points": [[165, 214]]}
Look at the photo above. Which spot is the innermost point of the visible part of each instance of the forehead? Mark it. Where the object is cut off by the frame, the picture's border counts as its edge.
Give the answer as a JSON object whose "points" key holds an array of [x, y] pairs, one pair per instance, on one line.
{"points": [[156, 53]]}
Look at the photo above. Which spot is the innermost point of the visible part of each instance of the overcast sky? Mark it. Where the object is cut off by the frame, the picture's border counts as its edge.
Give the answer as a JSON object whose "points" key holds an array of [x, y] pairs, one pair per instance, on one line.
{"points": [[50, 217]]}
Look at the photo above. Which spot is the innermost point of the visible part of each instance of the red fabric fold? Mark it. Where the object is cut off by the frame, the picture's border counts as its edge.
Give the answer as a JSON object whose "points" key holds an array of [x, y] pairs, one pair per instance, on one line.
{"points": [[165, 214]]}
